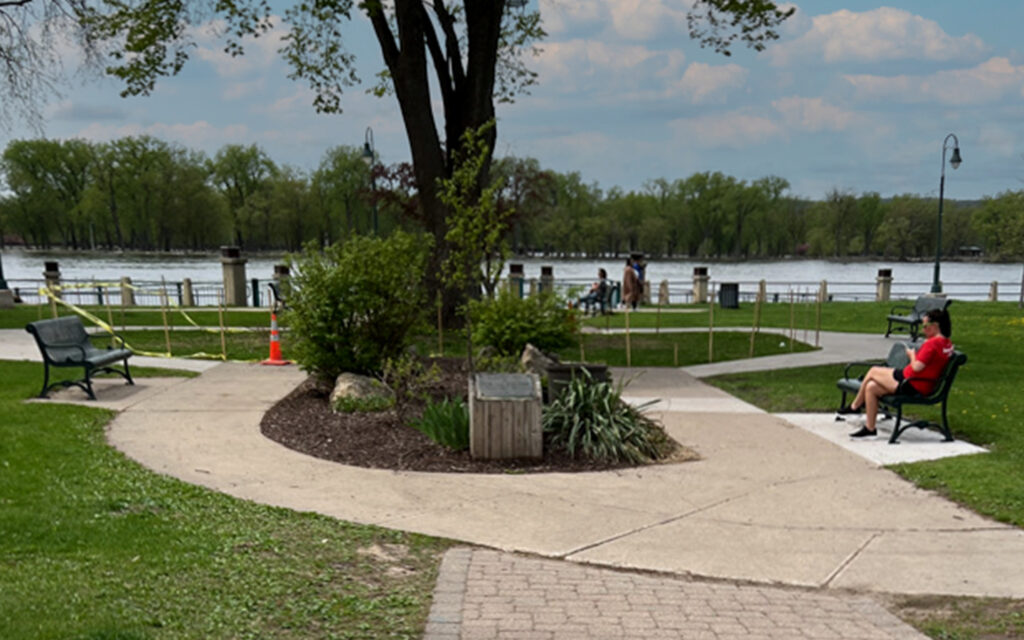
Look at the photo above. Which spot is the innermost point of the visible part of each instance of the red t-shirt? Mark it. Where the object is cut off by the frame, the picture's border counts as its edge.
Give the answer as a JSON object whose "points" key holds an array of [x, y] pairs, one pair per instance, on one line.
{"points": [[934, 353]]}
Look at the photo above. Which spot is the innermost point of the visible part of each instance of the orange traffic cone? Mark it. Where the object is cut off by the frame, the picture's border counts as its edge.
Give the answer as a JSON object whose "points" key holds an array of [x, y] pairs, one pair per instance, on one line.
{"points": [[275, 344]]}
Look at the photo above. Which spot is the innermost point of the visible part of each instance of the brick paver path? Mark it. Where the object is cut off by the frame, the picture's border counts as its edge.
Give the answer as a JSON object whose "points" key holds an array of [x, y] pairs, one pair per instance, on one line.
{"points": [[482, 594]]}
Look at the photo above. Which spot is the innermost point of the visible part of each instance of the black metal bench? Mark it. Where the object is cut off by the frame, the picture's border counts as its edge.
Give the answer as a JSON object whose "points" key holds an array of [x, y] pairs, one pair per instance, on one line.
{"points": [[911, 316], [893, 404], [65, 343]]}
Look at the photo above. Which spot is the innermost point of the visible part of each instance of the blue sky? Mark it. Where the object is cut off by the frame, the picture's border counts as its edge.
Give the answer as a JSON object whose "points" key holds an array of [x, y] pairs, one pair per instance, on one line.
{"points": [[855, 95]]}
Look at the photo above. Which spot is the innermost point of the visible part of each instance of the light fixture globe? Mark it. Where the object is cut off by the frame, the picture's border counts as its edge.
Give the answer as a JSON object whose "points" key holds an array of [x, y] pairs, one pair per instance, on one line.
{"points": [[955, 160]]}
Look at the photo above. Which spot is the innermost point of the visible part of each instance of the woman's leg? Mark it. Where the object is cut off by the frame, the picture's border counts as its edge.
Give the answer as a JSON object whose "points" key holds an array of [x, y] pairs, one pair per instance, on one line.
{"points": [[879, 375]]}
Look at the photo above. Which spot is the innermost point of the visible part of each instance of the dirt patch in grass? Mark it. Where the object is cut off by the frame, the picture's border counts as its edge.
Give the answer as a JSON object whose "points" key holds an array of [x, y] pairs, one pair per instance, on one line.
{"points": [[304, 421], [961, 618]]}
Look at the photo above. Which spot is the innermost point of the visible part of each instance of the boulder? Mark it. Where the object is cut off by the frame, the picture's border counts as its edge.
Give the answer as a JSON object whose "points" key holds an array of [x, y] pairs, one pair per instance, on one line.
{"points": [[355, 392], [536, 361]]}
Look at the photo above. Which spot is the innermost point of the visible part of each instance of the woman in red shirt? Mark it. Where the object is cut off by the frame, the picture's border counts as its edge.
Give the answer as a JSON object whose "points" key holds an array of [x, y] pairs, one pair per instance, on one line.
{"points": [[918, 377]]}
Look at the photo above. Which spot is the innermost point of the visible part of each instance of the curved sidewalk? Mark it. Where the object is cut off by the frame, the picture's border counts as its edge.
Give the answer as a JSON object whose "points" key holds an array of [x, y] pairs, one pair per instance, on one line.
{"points": [[767, 503]]}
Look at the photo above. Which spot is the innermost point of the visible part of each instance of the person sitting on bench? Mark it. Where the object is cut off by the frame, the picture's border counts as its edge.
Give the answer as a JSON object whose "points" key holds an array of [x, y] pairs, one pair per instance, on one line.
{"points": [[597, 293], [917, 378]]}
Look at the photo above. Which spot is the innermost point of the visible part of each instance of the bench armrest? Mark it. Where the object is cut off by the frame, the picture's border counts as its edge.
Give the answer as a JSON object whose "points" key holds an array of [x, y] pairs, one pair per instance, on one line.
{"points": [[907, 309]]}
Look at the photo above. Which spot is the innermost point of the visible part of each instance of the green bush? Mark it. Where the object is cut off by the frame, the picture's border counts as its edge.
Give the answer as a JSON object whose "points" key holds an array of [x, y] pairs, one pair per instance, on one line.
{"points": [[353, 304], [446, 423], [508, 322], [590, 420]]}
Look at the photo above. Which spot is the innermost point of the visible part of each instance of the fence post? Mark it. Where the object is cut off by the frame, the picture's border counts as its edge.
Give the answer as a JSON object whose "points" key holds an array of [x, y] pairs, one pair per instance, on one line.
{"points": [[188, 296], [255, 293], [51, 273], [993, 292], [823, 291], [547, 279], [883, 285], [700, 285], [663, 293], [127, 292], [515, 279], [233, 269]]}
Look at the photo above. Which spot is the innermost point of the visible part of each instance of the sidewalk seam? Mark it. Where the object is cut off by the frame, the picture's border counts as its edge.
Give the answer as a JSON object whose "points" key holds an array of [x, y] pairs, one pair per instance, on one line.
{"points": [[849, 559]]}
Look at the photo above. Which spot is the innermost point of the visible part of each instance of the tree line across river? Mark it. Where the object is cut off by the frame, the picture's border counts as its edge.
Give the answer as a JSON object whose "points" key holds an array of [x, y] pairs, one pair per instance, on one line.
{"points": [[143, 193]]}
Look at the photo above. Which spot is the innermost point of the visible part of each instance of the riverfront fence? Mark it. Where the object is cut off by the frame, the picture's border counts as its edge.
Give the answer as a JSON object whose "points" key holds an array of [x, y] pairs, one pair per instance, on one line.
{"points": [[235, 290], [212, 293]]}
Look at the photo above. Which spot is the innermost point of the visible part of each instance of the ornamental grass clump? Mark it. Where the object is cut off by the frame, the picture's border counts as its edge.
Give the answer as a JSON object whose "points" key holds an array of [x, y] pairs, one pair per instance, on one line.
{"points": [[590, 420], [446, 423]]}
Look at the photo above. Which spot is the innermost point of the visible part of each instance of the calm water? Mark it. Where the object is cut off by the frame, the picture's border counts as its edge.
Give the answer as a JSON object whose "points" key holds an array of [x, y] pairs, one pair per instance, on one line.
{"points": [[847, 280]]}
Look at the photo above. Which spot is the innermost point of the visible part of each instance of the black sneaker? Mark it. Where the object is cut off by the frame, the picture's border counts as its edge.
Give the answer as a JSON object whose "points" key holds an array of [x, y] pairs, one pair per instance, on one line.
{"points": [[864, 433]]}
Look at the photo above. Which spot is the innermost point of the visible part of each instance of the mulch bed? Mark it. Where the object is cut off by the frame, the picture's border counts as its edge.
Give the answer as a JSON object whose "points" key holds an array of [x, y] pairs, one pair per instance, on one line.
{"points": [[304, 421]]}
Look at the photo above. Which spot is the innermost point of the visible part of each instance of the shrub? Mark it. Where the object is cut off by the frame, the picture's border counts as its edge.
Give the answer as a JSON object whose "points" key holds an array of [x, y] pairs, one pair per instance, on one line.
{"points": [[369, 405], [446, 422], [353, 304], [590, 420], [508, 322]]}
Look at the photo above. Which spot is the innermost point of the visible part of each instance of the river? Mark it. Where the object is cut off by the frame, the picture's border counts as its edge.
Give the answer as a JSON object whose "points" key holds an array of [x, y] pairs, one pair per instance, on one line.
{"points": [[846, 280]]}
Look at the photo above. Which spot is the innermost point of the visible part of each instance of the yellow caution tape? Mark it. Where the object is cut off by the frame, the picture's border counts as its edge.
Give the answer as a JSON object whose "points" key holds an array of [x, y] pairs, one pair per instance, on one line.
{"points": [[99, 322]]}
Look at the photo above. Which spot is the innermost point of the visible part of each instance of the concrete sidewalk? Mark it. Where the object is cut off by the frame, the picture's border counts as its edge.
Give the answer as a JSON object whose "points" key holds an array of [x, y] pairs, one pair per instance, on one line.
{"points": [[768, 502], [768, 505]]}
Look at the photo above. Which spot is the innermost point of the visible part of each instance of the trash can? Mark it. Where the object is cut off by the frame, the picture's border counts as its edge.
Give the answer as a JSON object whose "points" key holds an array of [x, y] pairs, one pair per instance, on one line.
{"points": [[729, 295], [562, 373]]}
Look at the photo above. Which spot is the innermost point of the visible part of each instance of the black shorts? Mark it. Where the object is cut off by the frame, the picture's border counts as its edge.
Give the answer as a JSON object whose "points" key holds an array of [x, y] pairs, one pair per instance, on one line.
{"points": [[903, 387]]}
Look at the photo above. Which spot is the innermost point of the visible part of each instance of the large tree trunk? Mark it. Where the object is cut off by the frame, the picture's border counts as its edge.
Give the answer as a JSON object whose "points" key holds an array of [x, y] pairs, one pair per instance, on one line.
{"points": [[467, 95]]}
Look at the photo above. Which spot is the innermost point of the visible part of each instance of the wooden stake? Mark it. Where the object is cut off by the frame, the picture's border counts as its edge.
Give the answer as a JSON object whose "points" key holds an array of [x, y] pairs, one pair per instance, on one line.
{"points": [[163, 313], [110, 321], [711, 326], [657, 325], [583, 353], [629, 350], [817, 325], [1020, 303], [675, 354], [440, 326], [753, 323], [792, 320], [220, 317]]}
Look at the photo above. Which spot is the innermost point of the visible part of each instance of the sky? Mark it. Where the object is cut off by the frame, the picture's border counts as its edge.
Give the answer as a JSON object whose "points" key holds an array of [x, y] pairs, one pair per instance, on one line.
{"points": [[856, 96]]}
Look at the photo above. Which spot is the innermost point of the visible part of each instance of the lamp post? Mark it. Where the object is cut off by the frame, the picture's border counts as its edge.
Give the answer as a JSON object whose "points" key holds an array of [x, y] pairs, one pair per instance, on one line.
{"points": [[369, 156], [954, 161]]}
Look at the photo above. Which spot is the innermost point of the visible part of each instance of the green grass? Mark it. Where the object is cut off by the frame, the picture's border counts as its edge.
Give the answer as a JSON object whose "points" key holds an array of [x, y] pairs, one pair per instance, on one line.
{"points": [[21, 315], [659, 350], [866, 317], [94, 546], [985, 406]]}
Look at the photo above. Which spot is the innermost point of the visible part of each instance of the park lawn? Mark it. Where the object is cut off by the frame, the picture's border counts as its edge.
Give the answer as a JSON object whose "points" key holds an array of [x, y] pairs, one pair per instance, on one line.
{"points": [[95, 546], [661, 350], [861, 317], [985, 407], [22, 314], [242, 346]]}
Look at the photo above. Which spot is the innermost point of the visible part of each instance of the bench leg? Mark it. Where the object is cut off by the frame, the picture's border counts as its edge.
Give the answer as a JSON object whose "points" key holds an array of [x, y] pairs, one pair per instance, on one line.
{"points": [[896, 430], [888, 329], [945, 425], [46, 380], [128, 373], [88, 386]]}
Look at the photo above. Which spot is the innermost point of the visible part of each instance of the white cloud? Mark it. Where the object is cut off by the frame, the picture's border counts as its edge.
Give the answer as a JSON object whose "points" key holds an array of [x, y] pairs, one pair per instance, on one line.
{"points": [[736, 130], [986, 82], [570, 65], [638, 20], [706, 83], [561, 16], [647, 19], [260, 52], [814, 114], [236, 90], [198, 135], [872, 36]]}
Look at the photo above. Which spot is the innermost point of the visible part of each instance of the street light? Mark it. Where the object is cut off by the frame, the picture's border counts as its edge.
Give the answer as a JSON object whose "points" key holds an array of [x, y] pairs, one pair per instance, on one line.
{"points": [[954, 161], [369, 156]]}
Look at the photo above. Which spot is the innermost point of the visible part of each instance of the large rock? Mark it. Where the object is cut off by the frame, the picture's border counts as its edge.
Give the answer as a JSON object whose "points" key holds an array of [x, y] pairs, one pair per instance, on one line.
{"points": [[353, 392], [536, 361]]}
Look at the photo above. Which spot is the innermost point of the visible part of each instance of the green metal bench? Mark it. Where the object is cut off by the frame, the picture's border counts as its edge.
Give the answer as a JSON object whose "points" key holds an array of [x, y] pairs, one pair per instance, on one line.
{"points": [[893, 404], [911, 316], [64, 342]]}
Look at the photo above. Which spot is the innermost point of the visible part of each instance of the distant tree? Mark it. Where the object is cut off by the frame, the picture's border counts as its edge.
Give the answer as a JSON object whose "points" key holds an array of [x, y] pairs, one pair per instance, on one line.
{"points": [[241, 173], [1000, 222]]}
